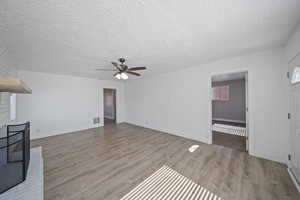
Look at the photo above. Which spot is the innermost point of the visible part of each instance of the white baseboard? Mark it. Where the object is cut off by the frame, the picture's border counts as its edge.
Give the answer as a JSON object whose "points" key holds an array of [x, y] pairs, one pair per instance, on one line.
{"points": [[297, 185], [229, 120], [204, 140], [33, 136]]}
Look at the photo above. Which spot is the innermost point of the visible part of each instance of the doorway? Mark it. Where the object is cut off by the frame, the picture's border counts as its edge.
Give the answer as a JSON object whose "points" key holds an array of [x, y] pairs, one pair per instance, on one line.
{"points": [[229, 110], [109, 106]]}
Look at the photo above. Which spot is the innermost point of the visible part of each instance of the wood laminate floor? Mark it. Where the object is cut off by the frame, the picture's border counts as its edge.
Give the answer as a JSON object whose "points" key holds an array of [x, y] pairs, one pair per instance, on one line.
{"points": [[108, 121], [108, 162], [228, 140]]}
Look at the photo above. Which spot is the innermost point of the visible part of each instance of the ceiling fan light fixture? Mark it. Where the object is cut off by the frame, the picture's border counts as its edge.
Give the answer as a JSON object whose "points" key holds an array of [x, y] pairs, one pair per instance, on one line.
{"points": [[118, 76], [124, 76]]}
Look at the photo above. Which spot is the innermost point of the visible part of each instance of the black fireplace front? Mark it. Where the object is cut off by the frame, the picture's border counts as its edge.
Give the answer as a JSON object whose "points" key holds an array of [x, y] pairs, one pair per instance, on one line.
{"points": [[14, 155]]}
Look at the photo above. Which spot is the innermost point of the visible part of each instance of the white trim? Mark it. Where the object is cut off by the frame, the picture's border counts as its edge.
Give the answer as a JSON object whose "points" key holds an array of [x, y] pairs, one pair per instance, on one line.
{"points": [[294, 179], [49, 134], [204, 140], [13, 107], [229, 120], [247, 111]]}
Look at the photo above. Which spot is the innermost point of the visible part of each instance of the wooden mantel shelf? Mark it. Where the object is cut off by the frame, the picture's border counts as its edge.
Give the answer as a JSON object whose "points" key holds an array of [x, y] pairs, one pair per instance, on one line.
{"points": [[14, 85]]}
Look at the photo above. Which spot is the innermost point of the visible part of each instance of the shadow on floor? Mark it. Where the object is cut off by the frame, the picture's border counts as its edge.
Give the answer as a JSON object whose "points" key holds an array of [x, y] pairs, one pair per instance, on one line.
{"points": [[232, 141], [109, 121]]}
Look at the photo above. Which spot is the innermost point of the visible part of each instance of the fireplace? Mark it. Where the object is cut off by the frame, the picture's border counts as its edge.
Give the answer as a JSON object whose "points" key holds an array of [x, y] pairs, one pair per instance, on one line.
{"points": [[14, 155]]}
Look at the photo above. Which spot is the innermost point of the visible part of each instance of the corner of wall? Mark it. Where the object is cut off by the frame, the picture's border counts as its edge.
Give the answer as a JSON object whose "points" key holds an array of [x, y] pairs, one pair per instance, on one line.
{"points": [[292, 47]]}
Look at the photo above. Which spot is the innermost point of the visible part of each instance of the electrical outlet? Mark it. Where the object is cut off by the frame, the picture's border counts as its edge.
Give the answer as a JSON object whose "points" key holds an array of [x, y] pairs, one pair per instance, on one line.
{"points": [[96, 120]]}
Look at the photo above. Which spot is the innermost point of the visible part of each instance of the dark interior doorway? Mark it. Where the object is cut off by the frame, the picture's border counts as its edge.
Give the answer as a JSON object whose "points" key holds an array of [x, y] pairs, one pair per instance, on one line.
{"points": [[109, 106], [229, 110]]}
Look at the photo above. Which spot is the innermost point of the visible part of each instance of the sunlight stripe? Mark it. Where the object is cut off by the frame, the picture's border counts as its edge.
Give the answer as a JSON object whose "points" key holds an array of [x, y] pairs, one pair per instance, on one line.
{"points": [[151, 185], [159, 185], [199, 189], [146, 183], [176, 185], [143, 183], [164, 187], [167, 184]]}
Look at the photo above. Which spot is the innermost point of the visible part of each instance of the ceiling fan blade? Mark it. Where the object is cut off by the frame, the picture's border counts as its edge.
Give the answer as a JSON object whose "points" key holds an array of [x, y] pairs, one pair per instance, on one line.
{"points": [[116, 65], [133, 73], [136, 68]]}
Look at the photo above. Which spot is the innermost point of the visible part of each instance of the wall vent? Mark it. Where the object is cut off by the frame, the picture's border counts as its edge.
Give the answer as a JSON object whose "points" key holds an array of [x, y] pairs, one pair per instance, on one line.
{"points": [[96, 120]]}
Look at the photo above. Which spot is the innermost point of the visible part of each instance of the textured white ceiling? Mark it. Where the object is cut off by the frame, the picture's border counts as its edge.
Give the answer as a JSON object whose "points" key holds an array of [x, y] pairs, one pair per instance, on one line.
{"points": [[76, 36]]}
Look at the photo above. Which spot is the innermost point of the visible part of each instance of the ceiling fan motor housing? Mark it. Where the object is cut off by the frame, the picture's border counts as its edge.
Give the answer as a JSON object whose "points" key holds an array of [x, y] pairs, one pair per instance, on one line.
{"points": [[122, 60]]}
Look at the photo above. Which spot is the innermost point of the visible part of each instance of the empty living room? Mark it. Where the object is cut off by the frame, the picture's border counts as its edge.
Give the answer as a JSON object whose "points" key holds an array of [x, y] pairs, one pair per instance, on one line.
{"points": [[149, 100]]}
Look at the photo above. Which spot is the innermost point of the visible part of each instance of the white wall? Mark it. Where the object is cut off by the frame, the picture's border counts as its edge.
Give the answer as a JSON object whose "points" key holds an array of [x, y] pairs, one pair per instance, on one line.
{"points": [[292, 47], [178, 102], [60, 104]]}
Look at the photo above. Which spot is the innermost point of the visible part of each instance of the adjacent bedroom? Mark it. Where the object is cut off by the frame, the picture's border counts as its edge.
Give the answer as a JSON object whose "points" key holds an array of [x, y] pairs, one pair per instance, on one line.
{"points": [[229, 110]]}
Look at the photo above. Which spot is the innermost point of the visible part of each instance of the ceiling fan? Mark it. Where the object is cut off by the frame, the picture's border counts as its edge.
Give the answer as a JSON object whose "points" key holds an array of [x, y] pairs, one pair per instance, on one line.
{"points": [[122, 70]]}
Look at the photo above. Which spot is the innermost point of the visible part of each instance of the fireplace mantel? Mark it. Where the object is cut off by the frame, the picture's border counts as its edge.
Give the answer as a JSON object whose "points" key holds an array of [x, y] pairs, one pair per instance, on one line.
{"points": [[14, 85]]}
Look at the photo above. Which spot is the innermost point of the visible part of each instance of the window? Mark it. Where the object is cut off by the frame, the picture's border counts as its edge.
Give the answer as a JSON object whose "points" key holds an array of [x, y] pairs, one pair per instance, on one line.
{"points": [[296, 75], [221, 93]]}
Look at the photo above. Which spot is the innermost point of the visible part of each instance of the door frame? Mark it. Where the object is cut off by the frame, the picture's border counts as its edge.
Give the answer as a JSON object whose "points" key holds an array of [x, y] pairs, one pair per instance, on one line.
{"points": [[247, 105], [291, 87], [115, 102], [293, 170]]}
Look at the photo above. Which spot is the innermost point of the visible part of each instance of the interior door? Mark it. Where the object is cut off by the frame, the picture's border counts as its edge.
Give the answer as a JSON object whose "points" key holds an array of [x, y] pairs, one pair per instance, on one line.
{"points": [[295, 117]]}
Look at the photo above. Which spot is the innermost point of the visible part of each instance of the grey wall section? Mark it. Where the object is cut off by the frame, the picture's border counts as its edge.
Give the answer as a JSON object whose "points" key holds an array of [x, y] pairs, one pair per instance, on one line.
{"points": [[234, 109]]}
